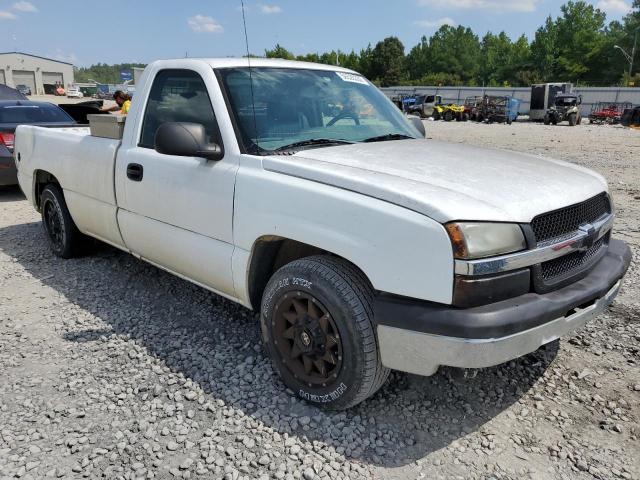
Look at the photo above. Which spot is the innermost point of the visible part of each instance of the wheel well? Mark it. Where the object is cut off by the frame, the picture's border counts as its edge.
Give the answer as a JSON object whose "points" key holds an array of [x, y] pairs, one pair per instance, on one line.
{"points": [[42, 179], [269, 254]]}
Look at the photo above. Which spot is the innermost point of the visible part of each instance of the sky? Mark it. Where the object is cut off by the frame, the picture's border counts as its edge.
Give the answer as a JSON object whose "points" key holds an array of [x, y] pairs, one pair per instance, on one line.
{"points": [[84, 32]]}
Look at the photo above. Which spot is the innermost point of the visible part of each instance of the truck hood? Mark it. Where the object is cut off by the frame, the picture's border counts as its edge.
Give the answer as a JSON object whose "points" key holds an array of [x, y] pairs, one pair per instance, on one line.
{"points": [[446, 181]]}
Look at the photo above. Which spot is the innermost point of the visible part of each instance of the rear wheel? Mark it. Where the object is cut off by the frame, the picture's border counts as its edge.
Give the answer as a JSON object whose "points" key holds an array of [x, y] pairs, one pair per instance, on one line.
{"points": [[317, 325], [573, 119], [448, 116], [64, 237]]}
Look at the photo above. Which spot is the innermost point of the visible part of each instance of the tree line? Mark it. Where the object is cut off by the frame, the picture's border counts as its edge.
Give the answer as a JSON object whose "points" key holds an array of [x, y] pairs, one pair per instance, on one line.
{"points": [[104, 73], [577, 46]]}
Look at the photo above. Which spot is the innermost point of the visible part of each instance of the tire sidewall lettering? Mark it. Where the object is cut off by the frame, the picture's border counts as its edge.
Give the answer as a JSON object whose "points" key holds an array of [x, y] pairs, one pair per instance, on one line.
{"points": [[326, 398], [284, 283]]}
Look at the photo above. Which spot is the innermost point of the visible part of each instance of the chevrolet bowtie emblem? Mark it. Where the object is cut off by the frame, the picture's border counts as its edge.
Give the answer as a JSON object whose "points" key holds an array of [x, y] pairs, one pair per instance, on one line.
{"points": [[590, 238]]}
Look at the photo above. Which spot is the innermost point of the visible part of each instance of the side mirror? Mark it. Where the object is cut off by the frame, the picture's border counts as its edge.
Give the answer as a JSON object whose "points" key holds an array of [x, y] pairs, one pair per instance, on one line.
{"points": [[186, 140], [417, 123]]}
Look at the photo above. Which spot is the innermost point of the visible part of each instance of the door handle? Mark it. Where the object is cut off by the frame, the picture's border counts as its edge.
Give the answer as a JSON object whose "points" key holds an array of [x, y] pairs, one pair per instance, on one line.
{"points": [[135, 172]]}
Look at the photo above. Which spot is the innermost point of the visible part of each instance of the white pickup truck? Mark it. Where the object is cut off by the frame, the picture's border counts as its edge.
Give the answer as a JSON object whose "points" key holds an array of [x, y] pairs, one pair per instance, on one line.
{"points": [[300, 191]]}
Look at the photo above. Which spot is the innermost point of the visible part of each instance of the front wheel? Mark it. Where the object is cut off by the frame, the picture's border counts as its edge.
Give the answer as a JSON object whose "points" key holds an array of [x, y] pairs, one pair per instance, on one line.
{"points": [[448, 116], [547, 120], [317, 326], [64, 237], [573, 119]]}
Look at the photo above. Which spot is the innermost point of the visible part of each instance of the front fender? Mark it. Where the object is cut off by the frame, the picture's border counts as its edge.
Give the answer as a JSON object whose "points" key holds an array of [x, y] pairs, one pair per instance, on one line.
{"points": [[401, 251]]}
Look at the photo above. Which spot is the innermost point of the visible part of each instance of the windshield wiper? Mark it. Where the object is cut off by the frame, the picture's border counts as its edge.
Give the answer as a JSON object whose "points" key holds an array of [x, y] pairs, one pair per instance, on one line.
{"points": [[388, 136], [311, 142]]}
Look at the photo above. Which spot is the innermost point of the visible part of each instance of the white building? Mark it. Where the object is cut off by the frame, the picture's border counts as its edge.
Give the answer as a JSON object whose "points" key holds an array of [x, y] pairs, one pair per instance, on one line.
{"points": [[40, 74]]}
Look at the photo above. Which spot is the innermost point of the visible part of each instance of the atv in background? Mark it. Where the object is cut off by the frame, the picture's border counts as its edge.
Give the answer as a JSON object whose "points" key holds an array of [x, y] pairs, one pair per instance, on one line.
{"points": [[473, 107], [566, 107], [608, 112], [450, 112]]}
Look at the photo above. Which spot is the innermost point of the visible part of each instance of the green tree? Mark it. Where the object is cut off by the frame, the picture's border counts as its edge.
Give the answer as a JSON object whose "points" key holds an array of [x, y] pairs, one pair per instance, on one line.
{"points": [[388, 61], [457, 51], [279, 52], [571, 47], [545, 50], [417, 61], [496, 53]]}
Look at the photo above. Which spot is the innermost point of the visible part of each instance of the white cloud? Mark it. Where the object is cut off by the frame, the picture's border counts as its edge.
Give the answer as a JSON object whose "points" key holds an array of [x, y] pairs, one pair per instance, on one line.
{"points": [[7, 15], [269, 9], [614, 6], [24, 6], [436, 23], [203, 24], [63, 56], [497, 5]]}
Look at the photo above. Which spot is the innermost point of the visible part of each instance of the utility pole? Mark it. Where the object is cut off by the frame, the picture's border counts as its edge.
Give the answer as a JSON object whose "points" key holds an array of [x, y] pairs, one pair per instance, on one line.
{"points": [[630, 57]]}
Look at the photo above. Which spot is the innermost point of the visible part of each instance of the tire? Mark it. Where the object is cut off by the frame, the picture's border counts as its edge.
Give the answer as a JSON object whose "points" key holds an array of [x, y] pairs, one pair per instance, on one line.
{"points": [[448, 116], [547, 120], [296, 300], [436, 116], [573, 119], [64, 237]]}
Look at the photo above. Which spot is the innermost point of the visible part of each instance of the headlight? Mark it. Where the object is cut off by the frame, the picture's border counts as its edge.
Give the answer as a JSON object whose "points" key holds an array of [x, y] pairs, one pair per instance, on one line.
{"points": [[473, 240]]}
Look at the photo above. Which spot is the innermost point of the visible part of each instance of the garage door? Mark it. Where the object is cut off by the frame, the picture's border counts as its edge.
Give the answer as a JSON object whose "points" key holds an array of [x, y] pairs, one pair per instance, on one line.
{"points": [[21, 77], [50, 80], [2, 79]]}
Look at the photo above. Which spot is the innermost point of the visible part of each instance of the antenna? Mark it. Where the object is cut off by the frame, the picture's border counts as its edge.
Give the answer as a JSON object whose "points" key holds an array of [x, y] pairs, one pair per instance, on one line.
{"points": [[253, 103]]}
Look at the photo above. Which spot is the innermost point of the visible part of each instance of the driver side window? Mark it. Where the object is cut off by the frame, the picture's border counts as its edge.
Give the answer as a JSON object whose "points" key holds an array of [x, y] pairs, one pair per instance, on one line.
{"points": [[178, 96]]}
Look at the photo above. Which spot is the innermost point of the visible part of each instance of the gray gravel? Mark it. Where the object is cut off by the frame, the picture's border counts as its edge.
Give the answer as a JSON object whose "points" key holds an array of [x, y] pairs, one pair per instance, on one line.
{"points": [[112, 368]]}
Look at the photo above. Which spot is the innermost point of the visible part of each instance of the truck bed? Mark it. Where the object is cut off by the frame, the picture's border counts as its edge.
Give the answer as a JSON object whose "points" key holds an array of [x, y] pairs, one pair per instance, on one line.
{"points": [[84, 165]]}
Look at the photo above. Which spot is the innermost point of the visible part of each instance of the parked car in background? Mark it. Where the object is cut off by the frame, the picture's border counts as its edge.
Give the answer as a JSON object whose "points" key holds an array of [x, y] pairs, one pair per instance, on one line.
{"points": [[424, 105], [20, 112], [74, 92], [8, 93], [23, 89]]}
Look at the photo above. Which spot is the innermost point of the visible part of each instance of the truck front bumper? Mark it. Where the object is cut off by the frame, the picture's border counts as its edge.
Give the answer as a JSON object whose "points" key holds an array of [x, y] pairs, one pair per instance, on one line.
{"points": [[418, 337]]}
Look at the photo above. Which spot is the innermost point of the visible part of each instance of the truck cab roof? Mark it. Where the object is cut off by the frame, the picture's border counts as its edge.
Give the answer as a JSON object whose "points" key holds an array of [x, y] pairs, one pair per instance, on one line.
{"points": [[255, 62]]}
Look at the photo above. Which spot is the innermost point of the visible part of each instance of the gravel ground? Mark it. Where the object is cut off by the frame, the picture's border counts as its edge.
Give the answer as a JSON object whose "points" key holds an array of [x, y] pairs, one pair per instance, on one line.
{"points": [[112, 368]]}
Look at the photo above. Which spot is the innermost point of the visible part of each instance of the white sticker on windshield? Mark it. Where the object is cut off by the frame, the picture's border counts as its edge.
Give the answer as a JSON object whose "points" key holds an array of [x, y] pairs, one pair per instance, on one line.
{"points": [[350, 77]]}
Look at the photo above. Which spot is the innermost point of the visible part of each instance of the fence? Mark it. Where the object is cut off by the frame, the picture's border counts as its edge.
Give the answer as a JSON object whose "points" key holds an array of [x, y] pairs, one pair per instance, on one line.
{"points": [[590, 95]]}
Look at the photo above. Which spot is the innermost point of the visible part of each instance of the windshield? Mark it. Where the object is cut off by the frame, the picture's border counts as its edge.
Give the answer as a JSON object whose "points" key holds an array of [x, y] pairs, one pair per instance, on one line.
{"points": [[295, 106], [24, 113], [566, 101]]}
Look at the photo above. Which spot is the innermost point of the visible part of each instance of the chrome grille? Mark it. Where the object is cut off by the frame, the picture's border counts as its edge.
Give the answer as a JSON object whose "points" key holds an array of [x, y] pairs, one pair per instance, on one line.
{"points": [[573, 262], [563, 223]]}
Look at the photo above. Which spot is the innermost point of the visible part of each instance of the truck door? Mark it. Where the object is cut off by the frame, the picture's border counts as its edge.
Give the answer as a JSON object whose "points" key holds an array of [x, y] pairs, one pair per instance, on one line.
{"points": [[177, 212]]}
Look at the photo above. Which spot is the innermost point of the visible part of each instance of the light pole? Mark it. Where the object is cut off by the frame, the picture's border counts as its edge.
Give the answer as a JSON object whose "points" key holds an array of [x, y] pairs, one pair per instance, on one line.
{"points": [[630, 57]]}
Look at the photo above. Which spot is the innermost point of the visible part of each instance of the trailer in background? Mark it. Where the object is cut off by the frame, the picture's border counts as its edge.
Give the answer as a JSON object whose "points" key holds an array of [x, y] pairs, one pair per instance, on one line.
{"points": [[543, 96]]}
